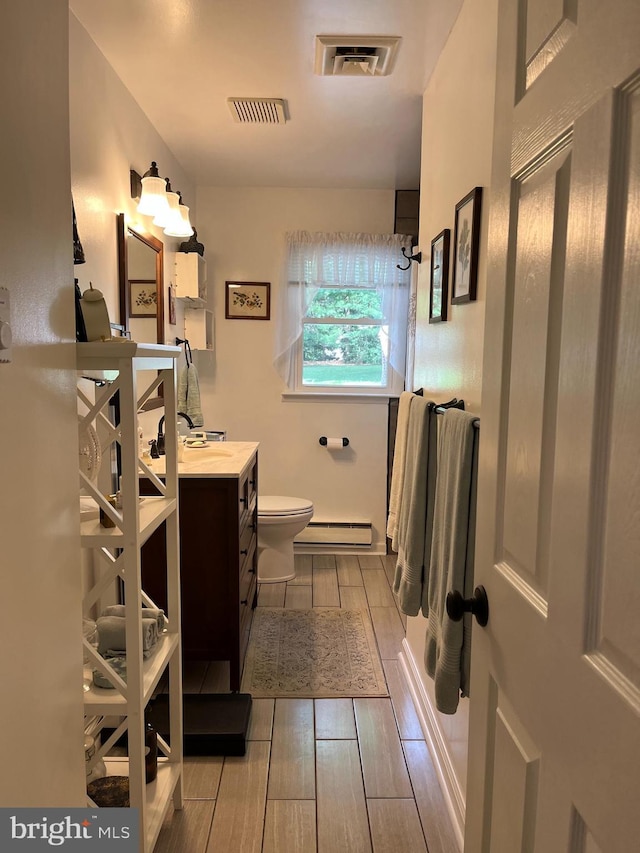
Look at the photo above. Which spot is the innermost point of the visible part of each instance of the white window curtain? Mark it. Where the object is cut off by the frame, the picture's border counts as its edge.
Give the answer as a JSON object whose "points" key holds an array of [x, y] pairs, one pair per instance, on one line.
{"points": [[351, 260]]}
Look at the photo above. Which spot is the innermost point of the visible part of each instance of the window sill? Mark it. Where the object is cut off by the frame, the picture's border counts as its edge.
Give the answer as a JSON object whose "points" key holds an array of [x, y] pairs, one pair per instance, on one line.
{"points": [[331, 397]]}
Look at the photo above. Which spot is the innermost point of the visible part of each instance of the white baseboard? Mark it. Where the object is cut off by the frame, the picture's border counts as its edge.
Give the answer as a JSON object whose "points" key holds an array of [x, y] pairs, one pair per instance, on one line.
{"points": [[453, 794]]}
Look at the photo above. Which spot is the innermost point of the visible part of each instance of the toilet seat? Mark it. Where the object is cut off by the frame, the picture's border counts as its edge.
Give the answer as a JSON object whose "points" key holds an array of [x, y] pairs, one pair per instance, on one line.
{"points": [[282, 506]]}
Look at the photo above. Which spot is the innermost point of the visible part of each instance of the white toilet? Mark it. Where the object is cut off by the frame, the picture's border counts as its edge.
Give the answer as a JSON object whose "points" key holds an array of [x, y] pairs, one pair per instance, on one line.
{"points": [[280, 519]]}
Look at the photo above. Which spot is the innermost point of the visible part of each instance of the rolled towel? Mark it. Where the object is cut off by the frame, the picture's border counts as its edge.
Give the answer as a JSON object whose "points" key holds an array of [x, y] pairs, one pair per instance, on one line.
{"points": [[147, 613], [112, 634]]}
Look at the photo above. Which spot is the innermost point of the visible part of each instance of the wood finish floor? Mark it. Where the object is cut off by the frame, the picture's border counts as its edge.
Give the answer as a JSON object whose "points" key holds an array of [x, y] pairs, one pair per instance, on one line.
{"points": [[319, 775]]}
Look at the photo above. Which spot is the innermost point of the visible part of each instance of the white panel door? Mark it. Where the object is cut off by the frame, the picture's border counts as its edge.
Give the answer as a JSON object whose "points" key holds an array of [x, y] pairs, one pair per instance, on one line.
{"points": [[554, 746]]}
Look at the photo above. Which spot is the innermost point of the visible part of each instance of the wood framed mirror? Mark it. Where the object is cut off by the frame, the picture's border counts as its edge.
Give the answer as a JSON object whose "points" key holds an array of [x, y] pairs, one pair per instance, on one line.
{"points": [[141, 288]]}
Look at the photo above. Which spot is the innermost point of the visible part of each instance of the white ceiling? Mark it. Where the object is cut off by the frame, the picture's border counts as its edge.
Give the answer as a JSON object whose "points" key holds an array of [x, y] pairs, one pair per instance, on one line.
{"points": [[182, 59]]}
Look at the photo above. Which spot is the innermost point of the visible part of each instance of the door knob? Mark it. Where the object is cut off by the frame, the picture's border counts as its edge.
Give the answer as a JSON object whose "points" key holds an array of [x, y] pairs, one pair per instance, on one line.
{"points": [[478, 605]]}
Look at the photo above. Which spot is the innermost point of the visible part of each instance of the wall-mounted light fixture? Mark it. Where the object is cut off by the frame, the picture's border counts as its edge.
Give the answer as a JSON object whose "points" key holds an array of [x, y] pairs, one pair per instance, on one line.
{"points": [[157, 199]]}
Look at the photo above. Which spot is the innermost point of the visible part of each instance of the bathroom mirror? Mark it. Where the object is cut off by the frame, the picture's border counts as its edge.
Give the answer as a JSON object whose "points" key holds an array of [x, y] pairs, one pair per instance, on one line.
{"points": [[141, 289]]}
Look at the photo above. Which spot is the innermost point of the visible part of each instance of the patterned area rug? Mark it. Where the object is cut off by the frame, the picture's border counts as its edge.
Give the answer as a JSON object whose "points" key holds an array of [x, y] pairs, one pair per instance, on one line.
{"points": [[320, 654]]}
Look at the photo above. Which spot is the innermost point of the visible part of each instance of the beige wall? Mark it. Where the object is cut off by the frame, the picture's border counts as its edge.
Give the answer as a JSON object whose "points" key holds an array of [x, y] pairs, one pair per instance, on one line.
{"points": [[41, 670], [457, 136], [109, 136], [243, 231]]}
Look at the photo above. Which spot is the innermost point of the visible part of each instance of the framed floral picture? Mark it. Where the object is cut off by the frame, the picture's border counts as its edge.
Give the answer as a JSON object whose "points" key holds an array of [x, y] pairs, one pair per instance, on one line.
{"points": [[466, 245], [247, 300], [143, 298], [439, 277]]}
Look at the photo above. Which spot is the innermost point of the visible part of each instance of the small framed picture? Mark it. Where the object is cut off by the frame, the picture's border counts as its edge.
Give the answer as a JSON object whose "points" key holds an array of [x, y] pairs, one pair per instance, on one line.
{"points": [[172, 305], [247, 300], [439, 277], [143, 298], [466, 245]]}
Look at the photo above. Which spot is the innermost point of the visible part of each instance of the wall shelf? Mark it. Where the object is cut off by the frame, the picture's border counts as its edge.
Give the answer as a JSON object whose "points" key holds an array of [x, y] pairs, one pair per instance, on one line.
{"points": [[191, 279]]}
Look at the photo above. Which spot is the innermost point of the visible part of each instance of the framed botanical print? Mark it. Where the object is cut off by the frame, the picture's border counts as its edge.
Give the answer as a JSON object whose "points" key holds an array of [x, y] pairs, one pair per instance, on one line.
{"points": [[143, 298], [439, 277], [466, 246], [247, 300]]}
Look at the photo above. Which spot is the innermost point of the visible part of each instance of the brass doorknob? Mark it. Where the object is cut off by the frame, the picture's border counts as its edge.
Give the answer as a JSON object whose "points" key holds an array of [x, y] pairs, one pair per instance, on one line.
{"points": [[457, 606]]}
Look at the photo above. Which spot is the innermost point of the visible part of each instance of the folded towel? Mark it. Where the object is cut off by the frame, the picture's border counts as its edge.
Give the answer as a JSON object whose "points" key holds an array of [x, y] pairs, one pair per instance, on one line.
{"points": [[147, 613], [448, 644], [397, 471], [189, 394], [112, 634], [413, 533]]}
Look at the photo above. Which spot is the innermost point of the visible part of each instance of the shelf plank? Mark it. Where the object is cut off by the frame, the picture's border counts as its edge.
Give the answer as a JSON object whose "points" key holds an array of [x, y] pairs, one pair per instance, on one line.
{"points": [[100, 700], [153, 511]]}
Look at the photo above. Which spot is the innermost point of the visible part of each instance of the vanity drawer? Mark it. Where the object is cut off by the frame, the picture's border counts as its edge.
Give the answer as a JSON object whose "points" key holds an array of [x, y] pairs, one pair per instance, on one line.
{"points": [[246, 536], [252, 482], [246, 610], [247, 575], [247, 491]]}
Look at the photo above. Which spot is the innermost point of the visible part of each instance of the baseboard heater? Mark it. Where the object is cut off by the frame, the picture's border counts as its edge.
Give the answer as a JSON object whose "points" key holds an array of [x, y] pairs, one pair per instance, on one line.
{"points": [[337, 533]]}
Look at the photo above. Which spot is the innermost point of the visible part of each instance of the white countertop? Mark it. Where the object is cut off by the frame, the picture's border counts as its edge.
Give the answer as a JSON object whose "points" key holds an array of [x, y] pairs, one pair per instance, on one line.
{"points": [[216, 459]]}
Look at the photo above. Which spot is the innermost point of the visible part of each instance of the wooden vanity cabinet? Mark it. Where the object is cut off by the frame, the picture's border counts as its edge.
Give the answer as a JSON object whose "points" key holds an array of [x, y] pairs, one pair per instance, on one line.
{"points": [[218, 565]]}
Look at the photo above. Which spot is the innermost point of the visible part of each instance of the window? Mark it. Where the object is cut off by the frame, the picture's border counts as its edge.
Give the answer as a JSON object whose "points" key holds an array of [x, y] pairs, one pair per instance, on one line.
{"points": [[342, 313]]}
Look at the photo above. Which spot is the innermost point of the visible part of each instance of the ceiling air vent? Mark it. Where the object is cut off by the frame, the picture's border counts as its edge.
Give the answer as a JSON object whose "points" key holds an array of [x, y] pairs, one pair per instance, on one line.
{"points": [[257, 110], [368, 56]]}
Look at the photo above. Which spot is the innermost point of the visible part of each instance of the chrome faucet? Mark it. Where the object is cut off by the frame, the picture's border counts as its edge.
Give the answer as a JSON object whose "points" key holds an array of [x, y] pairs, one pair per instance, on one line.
{"points": [[160, 439]]}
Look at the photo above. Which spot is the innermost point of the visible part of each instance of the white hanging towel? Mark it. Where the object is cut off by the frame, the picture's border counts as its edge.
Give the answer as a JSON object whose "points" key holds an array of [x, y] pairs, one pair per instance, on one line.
{"points": [[397, 470], [189, 394], [416, 509], [448, 645]]}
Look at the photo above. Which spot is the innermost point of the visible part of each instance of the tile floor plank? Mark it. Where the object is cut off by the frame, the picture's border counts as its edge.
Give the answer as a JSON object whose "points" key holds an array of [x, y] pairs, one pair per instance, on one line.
{"points": [[299, 597], [304, 569], [432, 808], [403, 707], [334, 719], [261, 719], [324, 561], [353, 598], [388, 630], [389, 562], [186, 829], [343, 826], [377, 588], [292, 766], [290, 826], [202, 776], [370, 561], [383, 766], [395, 826], [238, 821], [271, 594], [349, 573], [325, 588]]}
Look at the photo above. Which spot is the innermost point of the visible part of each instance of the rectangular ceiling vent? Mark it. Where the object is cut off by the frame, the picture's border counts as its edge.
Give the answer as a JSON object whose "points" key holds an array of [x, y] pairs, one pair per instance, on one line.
{"points": [[361, 56], [257, 110]]}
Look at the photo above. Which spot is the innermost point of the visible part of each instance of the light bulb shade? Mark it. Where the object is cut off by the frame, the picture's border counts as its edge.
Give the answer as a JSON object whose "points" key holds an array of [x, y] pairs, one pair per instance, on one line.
{"points": [[153, 199], [180, 225], [164, 218]]}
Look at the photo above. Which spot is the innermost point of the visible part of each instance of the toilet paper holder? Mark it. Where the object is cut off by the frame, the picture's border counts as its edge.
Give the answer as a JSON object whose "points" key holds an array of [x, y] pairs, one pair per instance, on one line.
{"points": [[323, 440]]}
